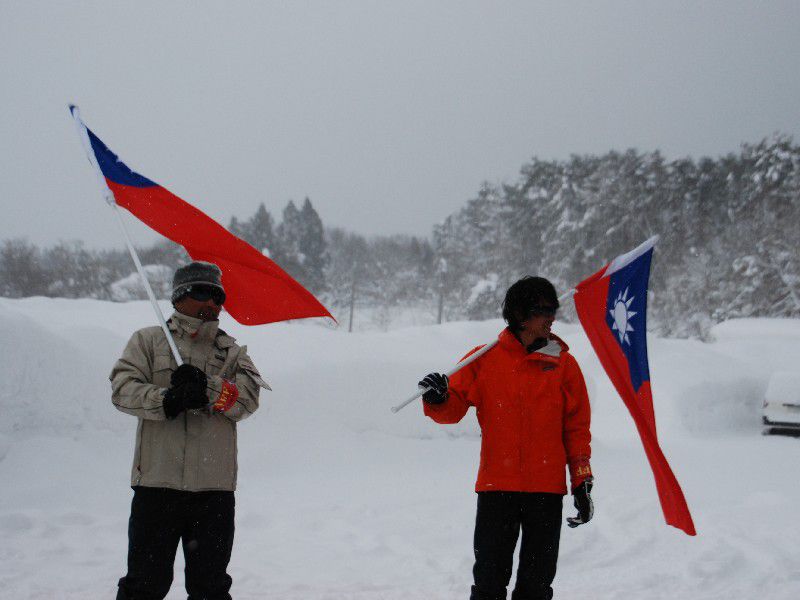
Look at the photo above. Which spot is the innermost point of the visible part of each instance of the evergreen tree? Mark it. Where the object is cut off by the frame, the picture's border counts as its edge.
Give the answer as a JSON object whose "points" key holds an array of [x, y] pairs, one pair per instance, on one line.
{"points": [[261, 231], [258, 230], [312, 248], [348, 273], [237, 229], [288, 253]]}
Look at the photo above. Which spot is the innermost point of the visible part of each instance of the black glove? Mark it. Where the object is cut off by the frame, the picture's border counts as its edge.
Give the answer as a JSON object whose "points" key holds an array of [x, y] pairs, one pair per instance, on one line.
{"points": [[188, 391], [193, 383], [437, 383], [582, 499], [187, 373]]}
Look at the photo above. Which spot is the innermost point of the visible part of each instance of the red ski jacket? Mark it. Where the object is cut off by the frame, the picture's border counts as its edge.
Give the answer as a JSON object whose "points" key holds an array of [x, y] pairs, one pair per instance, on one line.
{"points": [[534, 414]]}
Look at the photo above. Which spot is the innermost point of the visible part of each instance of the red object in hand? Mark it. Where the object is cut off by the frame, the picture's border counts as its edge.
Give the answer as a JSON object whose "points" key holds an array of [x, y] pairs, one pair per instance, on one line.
{"points": [[258, 290], [227, 397]]}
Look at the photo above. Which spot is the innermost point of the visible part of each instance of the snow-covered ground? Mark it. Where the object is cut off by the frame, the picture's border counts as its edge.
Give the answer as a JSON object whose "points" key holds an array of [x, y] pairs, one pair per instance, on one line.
{"points": [[341, 499]]}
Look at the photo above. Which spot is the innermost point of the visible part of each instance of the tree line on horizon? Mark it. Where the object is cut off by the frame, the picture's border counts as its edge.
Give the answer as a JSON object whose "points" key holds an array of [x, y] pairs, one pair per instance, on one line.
{"points": [[728, 232]]}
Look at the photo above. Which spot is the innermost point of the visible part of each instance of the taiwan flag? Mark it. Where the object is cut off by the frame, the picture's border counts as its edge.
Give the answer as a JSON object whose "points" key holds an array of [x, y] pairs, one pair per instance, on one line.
{"points": [[258, 291], [612, 308]]}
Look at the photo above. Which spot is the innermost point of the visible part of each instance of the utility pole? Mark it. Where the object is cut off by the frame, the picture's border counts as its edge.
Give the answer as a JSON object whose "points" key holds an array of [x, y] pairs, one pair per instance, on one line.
{"points": [[352, 305]]}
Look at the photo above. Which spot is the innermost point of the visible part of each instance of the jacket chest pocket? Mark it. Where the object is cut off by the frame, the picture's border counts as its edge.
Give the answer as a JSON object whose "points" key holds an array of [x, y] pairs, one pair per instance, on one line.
{"points": [[162, 370], [542, 385], [216, 361]]}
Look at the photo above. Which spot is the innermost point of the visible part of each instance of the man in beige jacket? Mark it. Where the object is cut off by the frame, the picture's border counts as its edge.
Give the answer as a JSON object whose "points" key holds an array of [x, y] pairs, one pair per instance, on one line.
{"points": [[184, 466]]}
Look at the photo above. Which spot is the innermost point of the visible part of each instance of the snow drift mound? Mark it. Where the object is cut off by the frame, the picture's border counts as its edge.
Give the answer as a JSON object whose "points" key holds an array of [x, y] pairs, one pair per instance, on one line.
{"points": [[722, 406], [130, 287], [49, 383], [58, 354], [707, 388], [738, 329]]}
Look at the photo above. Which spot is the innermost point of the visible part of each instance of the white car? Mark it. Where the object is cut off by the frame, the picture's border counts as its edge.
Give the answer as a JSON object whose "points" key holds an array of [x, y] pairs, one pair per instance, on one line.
{"points": [[782, 402]]}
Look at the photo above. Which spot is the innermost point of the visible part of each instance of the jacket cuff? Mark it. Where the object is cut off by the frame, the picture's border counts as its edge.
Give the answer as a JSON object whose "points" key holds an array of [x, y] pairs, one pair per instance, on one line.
{"points": [[227, 397], [222, 393], [429, 409], [579, 470], [171, 404]]}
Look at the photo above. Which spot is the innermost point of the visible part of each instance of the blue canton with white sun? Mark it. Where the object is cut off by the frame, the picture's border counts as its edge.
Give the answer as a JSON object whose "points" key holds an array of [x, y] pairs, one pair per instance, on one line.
{"points": [[626, 315]]}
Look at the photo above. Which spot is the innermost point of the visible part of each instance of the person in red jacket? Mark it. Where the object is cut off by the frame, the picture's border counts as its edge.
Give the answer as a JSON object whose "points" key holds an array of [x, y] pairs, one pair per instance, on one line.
{"points": [[533, 409]]}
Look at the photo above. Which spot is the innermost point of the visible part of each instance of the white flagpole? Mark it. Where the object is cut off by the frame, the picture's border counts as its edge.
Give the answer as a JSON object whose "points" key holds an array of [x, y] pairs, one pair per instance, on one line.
{"points": [[458, 367], [108, 196], [465, 362]]}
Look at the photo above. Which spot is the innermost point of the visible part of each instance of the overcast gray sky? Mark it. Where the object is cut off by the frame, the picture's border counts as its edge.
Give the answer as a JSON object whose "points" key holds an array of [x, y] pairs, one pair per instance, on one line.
{"points": [[388, 115]]}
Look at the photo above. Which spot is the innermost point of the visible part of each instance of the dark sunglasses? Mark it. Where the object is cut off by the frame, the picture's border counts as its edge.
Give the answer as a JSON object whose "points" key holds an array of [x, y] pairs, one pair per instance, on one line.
{"points": [[202, 293], [543, 311]]}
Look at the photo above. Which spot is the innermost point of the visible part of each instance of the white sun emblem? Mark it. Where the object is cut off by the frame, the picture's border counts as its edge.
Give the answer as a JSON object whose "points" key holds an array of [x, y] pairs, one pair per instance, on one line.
{"points": [[622, 315]]}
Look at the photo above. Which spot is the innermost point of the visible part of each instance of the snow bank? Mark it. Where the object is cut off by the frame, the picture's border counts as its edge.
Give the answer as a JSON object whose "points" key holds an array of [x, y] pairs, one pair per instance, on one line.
{"points": [[699, 390], [784, 387], [384, 318], [349, 380], [741, 329], [50, 383]]}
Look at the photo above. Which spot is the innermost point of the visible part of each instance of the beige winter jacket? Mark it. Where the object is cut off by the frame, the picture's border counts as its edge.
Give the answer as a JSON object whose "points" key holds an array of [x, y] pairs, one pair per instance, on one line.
{"points": [[196, 451]]}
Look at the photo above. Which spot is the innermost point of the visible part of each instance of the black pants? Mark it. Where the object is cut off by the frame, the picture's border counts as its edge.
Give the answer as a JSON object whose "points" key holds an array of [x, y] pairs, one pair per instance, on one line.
{"points": [[159, 519], [500, 517]]}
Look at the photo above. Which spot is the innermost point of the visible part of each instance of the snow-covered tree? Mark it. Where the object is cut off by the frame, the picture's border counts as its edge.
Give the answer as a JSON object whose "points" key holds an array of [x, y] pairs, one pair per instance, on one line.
{"points": [[288, 253], [22, 271], [312, 248]]}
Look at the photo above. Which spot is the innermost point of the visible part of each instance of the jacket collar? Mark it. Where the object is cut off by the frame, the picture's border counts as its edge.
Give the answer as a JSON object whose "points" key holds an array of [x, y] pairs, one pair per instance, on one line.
{"points": [[555, 346], [197, 328], [194, 328]]}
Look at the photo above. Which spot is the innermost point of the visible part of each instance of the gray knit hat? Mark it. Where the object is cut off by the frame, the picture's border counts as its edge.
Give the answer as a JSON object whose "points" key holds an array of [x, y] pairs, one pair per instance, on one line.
{"points": [[195, 273]]}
